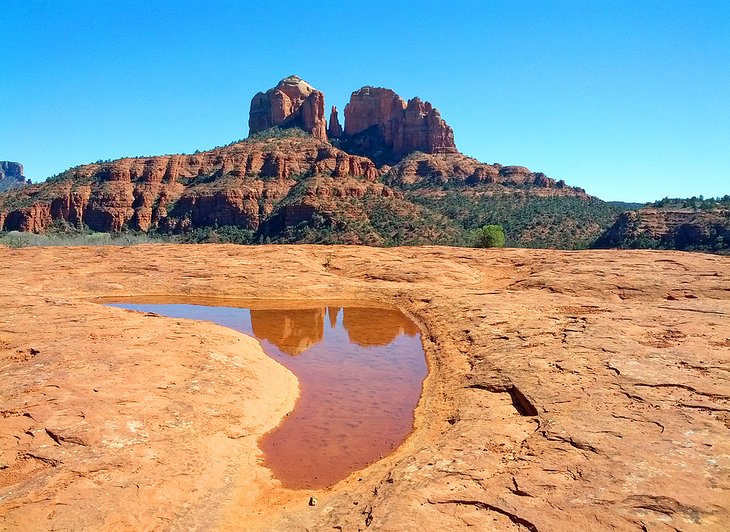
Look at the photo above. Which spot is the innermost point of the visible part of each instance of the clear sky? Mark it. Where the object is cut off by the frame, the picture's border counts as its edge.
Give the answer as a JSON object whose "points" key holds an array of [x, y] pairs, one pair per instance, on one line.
{"points": [[628, 99]]}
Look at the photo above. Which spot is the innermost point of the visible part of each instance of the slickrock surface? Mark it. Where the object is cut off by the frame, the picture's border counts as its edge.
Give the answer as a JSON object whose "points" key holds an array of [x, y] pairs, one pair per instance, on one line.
{"points": [[567, 391]]}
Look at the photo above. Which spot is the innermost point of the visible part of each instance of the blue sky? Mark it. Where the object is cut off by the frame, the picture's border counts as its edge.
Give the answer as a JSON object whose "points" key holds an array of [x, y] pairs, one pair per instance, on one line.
{"points": [[628, 99]]}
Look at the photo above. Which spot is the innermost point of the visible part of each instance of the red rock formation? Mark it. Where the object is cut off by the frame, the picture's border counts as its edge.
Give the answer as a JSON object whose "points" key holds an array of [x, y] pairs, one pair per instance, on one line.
{"points": [[374, 106], [456, 167], [335, 129], [292, 103], [669, 228], [378, 121], [235, 185], [423, 129]]}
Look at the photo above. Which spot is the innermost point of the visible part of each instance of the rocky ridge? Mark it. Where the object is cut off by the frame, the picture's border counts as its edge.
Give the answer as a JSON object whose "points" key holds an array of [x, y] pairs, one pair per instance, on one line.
{"points": [[669, 228], [234, 185], [426, 169]]}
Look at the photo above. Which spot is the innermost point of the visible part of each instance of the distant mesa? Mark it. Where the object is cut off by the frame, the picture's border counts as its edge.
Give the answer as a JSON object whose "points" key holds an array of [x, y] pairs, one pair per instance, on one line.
{"points": [[11, 175], [669, 228], [379, 124]]}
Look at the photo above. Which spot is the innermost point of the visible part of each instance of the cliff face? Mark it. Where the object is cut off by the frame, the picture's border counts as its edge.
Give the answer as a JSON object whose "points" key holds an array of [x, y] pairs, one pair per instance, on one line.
{"points": [[234, 185], [381, 125], [292, 103], [669, 228], [11, 175]]}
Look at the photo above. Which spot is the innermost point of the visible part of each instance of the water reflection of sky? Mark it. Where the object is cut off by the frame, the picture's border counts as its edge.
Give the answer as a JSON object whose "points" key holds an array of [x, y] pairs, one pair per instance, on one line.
{"points": [[360, 372]]}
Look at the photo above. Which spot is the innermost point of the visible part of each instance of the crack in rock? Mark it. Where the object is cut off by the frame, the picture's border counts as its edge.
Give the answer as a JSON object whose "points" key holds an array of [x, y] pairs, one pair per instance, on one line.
{"points": [[516, 519]]}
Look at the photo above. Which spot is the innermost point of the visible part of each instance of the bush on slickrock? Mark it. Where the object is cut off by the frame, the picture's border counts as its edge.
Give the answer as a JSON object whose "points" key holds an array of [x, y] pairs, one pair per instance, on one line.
{"points": [[490, 236]]}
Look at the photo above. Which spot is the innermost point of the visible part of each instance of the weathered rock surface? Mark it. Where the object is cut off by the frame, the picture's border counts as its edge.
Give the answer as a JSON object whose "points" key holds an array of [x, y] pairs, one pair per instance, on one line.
{"points": [[234, 185], [567, 390], [292, 103], [671, 228], [380, 125], [11, 175]]}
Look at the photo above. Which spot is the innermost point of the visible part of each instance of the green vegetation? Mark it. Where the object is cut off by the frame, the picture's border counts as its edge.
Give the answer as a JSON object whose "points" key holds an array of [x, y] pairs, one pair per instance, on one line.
{"points": [[227, 234], [696, 203], [276, 132], [626, 205], [489, 236], [529, 220], [16, 239]]}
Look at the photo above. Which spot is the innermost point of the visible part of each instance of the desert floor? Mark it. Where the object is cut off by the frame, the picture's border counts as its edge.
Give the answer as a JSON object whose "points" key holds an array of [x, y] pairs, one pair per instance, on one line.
{"points": [[567, 390]]}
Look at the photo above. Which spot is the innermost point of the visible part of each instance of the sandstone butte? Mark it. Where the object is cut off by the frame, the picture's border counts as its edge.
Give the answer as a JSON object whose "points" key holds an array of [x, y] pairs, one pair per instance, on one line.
{"points": [[245, 183], [567, 390]]}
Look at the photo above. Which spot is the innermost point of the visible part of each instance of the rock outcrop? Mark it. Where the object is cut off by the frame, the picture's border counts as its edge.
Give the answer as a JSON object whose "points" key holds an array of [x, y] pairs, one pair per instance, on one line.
{"points": [[11, 175], [234, 185], [382, 126], [335, 129], [669, 228], [437, 170], [292, 103], [379, 124]]}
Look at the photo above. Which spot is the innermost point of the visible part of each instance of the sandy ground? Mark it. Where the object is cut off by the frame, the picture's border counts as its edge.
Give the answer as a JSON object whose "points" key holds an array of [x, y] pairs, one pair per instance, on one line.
{"points": [[567, 391]]}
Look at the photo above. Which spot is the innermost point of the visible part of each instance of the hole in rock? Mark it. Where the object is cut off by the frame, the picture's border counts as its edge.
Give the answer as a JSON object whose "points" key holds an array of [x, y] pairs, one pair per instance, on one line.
{"points": [[360, 372]]}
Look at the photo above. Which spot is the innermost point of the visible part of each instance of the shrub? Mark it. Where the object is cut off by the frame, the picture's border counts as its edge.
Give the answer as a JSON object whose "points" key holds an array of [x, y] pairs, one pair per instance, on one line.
{"points": [[489, 236]]}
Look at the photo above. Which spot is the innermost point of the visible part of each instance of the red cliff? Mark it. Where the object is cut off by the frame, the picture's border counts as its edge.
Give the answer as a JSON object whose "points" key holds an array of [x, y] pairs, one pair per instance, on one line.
{"points": [[292, 103], [380, 125]]}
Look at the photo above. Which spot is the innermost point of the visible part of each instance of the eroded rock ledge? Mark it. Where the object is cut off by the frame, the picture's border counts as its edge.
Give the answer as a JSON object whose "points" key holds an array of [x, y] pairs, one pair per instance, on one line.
{"points": [[587, 390]]}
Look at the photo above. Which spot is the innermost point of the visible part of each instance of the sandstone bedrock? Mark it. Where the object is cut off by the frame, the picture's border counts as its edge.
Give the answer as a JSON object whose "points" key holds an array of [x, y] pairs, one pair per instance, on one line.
{"points": [[566, 390]]}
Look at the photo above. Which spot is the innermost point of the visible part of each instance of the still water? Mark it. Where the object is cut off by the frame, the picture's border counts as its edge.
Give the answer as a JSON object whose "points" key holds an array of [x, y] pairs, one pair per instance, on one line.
{"points": [[360, 372]]}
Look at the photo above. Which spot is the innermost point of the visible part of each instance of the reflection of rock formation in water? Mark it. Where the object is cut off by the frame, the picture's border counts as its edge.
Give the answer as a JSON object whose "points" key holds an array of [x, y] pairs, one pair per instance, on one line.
{"points": [[333, 312], [292, 331], [367, 326]]}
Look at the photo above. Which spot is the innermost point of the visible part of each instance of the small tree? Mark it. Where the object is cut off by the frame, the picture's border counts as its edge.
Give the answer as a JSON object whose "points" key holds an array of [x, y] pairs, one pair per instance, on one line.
{"points": [[490, 236]]}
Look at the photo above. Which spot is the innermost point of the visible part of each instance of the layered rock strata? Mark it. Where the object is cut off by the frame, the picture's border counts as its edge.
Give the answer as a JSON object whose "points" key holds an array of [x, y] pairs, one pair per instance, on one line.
{"points": [[235, 185], [382, 125], [436, 170], [670, 228]]}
